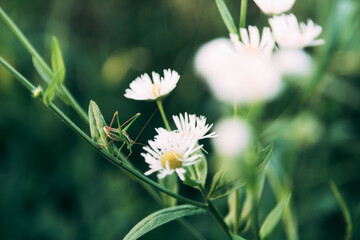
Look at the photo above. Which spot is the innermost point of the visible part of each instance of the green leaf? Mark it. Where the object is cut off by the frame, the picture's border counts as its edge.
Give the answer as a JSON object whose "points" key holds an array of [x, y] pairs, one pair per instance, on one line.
{"points": [[161, 217], [47, 78], [58, 69], [41, 71], [216, 181], [344, 208], [191, 182], [57, 62], [220, 187], [264, 157], [236, 237], [241, 197], [226, 16], [97, 123], [170, 182], [50, 91], [200, 169], [273, 218]]}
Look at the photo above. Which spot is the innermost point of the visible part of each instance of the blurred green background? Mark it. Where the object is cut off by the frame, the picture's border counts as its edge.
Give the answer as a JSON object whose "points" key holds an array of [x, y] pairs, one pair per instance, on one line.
{"points": [[54, 186]]}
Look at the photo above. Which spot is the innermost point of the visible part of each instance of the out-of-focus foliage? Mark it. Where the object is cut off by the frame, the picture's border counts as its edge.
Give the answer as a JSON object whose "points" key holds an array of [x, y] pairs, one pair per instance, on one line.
{"points": [[53, 186]]}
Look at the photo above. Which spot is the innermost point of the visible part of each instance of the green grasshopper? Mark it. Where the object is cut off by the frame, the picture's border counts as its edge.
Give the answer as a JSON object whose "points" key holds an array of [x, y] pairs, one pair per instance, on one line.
{"points": [[119, 134]]}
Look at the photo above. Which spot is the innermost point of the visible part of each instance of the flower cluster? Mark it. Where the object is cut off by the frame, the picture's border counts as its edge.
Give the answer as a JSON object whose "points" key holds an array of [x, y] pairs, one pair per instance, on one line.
{"points": [[245, 68], [171, 151]]}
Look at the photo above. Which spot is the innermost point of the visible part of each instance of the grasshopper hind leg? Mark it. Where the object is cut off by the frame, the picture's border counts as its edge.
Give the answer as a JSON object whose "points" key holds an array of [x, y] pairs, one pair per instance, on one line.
{"points": [[105, 143]]}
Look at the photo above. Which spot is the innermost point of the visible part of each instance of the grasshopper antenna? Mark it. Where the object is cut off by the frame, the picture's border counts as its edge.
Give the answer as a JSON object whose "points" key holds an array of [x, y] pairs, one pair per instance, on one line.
{"points": [[152, 115]]}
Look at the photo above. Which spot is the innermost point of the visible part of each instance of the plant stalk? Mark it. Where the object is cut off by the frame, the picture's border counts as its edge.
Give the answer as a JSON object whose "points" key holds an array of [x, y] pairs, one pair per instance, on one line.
{"points": [[162, 112], [255, 220], [236, 199], [243, 8], [214, 212]]}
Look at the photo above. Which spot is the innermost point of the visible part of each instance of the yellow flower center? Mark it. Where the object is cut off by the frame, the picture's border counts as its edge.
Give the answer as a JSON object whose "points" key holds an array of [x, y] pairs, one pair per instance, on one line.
{"points": [[184, 134], [156, 89], [250, 49], [173, 158]]}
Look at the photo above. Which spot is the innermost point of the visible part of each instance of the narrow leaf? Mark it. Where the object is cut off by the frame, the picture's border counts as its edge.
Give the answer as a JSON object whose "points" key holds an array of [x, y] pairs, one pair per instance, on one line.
{"points": [[191, 182], [273, 218], [226, 188], [97, 123], [226, 16], [161, 217], [344, 208], [41, 71], [50, 92], [57, 62], [47, 78], [58, 69], [200, 169], [236, 237], [264, 157], [216, 181]]}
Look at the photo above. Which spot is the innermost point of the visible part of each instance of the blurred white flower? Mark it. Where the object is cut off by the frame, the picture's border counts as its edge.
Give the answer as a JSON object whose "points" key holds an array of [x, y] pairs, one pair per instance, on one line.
{"points": [[288, 33], [143, 88], [190, 124], [234, 137], [170, 152], [250, 41], [233, 77], [292, 62], [274, 6]]}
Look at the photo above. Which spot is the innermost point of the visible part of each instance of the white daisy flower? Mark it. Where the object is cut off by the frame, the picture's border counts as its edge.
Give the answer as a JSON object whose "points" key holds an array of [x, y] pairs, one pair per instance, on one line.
{"points": [[233, 77], [250, 41], [190, 124], [274, 6], [292, 62], [288, 33], [234, 137], [170, 152], [145, 88]]}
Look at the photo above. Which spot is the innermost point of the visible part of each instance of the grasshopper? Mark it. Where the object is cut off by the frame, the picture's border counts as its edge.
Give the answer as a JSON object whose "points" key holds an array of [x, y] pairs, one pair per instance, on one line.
{"points": [[119, 134]]}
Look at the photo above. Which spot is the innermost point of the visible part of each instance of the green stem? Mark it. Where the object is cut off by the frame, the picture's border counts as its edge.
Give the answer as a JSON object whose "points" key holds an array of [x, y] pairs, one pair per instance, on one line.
{"points": [[345, 210], [63, 92], [235, 110], [236, 199], [161, 109], [255, 220], [17, 75], [214, 212], [117, 162], [243, 13], [75, 105], [235, 227], [289, 218]]}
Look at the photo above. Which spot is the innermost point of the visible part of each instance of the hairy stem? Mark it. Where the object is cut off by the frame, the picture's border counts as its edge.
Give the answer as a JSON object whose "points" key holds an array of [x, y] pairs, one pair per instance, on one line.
{"points": [[214, 212], [243, 9], [162, 112]]}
